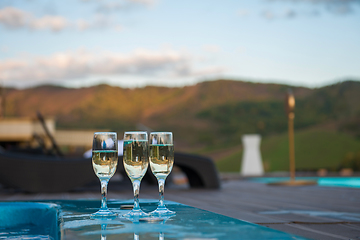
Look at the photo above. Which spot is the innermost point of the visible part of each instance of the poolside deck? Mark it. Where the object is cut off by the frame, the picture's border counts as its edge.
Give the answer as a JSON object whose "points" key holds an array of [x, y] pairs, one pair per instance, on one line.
{"points": [[310, 211]]}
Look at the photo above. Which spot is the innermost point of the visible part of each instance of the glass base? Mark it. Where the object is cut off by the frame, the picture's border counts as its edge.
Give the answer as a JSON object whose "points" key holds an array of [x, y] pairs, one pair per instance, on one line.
{"points": [[103, 214], [135, 214], [162, 212]]}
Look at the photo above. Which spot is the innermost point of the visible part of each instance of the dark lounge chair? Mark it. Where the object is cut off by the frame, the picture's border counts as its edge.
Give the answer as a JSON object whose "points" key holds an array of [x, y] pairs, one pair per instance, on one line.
{"points": [[46, 173], [200, 171]]}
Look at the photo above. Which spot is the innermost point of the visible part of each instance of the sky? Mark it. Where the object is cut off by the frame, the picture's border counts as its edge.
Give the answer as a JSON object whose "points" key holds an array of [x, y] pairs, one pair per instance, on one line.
{"points": [[134, 43]]}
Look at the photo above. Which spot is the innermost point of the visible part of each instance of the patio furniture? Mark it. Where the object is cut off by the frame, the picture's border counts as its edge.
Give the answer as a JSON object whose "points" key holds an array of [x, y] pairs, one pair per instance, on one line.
{"points": [[49, 173], [44, 173], [200, 171]]}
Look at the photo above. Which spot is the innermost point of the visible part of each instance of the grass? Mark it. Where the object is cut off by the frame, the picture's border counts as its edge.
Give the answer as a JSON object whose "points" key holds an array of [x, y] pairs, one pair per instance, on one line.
{"points": [[314, 149], [230, 163]]}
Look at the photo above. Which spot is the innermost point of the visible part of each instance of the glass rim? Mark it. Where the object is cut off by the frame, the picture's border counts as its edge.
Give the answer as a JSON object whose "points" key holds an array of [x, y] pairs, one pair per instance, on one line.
{"points": [[134, 132], [105, 133], [161, 133]]}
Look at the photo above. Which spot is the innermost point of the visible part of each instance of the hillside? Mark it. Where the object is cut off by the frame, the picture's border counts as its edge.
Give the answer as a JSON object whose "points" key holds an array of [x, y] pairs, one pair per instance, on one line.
{"points": [[314, 148], [205, 118], [176, 109]]}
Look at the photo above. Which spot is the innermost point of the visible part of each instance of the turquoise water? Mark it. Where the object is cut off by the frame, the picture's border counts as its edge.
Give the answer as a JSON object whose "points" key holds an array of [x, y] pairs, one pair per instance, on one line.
{"points": [[188, 223], [353, 182]]}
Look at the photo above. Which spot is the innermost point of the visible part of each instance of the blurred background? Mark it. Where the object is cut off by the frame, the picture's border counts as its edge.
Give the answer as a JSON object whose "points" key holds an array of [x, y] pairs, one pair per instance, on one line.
{"points": [[209, 71]]}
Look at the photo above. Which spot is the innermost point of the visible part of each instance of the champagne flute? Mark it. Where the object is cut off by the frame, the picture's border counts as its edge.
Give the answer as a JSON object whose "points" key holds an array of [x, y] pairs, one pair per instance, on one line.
{"points": [[161, 163], [104, 161], [135, 158]]}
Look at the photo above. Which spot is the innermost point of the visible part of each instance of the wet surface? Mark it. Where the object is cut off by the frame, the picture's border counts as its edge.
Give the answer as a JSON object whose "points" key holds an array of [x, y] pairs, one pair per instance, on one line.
{"points": [[307, 211], [344, 216], [351, 182], [74, 222]]}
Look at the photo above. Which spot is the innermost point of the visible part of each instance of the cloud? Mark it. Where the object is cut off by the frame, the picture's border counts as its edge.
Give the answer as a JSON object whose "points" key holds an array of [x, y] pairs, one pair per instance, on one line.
{"points": [[339, 7], [13, 18], [99, 21], [4, 49], [55, 23], [243, 12], [290, 13], [211, 48], [144, 2], [268, 14], [82, 64], [114, 6], [287, 14]]}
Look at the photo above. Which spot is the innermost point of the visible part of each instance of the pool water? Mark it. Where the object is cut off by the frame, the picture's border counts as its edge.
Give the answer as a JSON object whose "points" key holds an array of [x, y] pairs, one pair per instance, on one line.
{"points": [[71, 220], [29, 220], [352, 182]]}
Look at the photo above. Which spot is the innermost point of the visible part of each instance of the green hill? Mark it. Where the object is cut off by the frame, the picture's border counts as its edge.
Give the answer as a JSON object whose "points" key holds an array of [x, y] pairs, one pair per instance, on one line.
{"points": [[210, 117], [314, 149]]}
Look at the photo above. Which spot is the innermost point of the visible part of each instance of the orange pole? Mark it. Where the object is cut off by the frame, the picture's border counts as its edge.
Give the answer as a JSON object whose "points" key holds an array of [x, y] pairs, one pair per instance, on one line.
{"points": [[291, 146]]}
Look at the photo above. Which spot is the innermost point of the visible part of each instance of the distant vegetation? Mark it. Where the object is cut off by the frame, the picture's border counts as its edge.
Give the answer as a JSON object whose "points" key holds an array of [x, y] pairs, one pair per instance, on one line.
{"points": [[314, 149], [210, 117]]}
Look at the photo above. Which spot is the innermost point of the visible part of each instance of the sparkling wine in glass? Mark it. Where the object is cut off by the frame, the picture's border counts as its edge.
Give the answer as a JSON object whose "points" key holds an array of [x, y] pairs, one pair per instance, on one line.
{"points": [[135, 159], [104, 161], [161, 156]]}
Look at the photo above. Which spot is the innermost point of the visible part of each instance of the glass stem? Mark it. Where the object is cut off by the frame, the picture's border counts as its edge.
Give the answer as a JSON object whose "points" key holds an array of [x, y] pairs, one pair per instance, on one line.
{"points": [[136, 187], [161, 192], [104, 184]]}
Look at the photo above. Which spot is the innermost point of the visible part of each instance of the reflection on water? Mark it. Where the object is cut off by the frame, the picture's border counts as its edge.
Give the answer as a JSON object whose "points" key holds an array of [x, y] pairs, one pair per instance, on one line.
{"points": [[103, 233], [92, 228], [188, 223], [136, 234], [137, 237], [152, 221]]}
